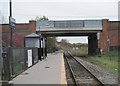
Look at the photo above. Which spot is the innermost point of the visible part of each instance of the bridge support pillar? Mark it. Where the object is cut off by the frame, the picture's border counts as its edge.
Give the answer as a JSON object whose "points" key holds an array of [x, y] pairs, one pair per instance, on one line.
{"points": [[92, 44], [45, 47], [42, 49]]}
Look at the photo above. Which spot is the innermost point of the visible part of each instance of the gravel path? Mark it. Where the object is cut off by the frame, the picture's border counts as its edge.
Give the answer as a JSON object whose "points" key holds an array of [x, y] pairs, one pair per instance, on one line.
{"points": [[104, 76]]}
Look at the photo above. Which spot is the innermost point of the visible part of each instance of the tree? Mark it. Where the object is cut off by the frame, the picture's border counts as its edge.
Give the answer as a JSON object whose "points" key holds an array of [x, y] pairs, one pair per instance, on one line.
{"points": [[51, 44], [64, 41], [41, 18]]}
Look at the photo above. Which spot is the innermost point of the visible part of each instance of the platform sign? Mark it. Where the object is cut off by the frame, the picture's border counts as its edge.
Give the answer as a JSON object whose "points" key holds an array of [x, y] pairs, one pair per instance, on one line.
{"points": [[29, 58], [12, 22]]}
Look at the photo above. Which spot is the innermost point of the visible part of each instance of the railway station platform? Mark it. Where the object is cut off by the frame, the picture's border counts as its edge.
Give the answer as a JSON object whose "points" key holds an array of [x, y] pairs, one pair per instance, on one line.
{"points": [[49, 71]]}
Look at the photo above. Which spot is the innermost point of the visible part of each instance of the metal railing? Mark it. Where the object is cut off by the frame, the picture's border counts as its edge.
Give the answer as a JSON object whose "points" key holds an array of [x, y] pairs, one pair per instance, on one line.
{"points": [[41, 24]]}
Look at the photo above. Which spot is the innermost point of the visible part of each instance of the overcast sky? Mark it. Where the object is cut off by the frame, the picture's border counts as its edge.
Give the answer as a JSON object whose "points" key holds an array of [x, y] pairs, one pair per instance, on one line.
{"points": [[23, 11]]}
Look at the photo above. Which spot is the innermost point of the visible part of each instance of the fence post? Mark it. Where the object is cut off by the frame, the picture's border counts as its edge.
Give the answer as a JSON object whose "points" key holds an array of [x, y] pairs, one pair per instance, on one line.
{"points": [[11, 62], [1, 66], [6, 65], [25, 57]]}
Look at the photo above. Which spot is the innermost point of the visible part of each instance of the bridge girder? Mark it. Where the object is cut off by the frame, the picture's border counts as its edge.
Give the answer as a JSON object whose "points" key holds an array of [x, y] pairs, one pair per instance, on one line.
{"points": [[67, 33]]}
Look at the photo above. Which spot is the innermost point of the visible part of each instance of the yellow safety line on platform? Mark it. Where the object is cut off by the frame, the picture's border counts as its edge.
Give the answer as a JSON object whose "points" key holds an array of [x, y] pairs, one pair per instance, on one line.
{"points": [[63, 75]]}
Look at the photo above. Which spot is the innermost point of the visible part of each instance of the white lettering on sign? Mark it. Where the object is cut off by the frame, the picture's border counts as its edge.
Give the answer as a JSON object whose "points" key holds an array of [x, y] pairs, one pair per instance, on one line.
{"points": [[12, 22]]}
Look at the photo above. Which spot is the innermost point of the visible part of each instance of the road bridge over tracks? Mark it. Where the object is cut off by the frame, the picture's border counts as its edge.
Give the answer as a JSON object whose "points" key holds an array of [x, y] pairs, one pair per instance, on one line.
{"points": [[90, 28]]}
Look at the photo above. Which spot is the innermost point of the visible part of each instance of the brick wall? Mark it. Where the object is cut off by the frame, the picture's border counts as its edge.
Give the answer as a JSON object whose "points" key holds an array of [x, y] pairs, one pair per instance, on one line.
{"points": [[18, 34], [109, 35]]}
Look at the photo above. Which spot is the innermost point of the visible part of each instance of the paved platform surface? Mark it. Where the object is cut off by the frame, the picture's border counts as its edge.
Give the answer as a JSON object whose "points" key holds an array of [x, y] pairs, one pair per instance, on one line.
{"points": [[49, 71]]}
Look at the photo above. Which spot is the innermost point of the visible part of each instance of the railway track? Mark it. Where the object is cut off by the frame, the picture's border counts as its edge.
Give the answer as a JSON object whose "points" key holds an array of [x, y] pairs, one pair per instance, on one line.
{"points": [[80, 76]]}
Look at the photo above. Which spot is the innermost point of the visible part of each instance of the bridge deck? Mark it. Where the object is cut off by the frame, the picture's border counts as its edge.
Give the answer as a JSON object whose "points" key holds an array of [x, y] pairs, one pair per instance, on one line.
{"points": [[61, 28], [70, 29]]}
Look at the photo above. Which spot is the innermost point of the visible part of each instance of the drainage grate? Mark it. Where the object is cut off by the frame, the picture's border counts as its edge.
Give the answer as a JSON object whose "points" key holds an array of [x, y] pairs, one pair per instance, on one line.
{"points": [[47, 67]]}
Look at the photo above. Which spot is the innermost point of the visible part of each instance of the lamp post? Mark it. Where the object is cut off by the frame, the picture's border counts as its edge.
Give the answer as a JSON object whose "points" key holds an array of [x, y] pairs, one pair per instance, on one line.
{"points": [[9, 23]]}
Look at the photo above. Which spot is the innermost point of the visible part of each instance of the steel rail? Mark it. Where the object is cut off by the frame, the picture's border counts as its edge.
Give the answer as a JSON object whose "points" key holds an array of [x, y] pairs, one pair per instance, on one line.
{"points": [[83, 67], [86, 68], [72, 73]]}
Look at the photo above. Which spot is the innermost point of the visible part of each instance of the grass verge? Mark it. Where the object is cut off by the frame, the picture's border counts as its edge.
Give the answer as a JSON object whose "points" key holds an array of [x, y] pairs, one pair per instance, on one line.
{"points": [[80, 52], [108, 61]]}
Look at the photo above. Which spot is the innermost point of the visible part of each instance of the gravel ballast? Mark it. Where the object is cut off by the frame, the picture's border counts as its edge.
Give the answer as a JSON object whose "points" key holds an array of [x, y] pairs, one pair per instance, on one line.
{"points": [[104, 76]]}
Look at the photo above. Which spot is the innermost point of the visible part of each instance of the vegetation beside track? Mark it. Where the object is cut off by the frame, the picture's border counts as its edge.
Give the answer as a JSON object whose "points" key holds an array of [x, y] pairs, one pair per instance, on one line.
{"points": [[83, 51], [108, 61]]}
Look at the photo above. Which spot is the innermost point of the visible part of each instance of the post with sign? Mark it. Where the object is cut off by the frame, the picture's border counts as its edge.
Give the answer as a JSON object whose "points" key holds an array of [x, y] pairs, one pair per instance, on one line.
{"points": [[11, 23], [12, 26]]}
